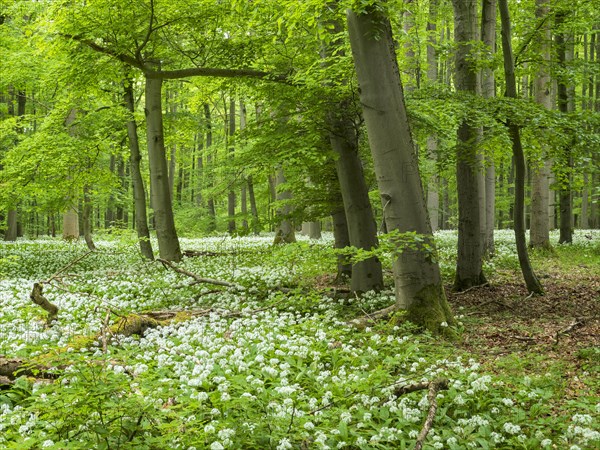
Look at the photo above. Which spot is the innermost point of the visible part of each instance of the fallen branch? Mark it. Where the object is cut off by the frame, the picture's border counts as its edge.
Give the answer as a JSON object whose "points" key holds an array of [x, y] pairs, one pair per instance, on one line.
{"points": [[71, 264], [38, 298], [434, 388], [576, 323], [370, 318], [471, 288], [197, 278]]}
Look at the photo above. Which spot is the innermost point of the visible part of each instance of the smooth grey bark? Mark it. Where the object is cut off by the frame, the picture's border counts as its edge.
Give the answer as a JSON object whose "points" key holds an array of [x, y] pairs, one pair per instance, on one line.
{"points": [[87, 219], [539, 229], [231, 195], [341, 240], [244, 193], [359, 219], [566, 161], [488, 91], [314, 230], [253, 208], [71, 224], [284, 231], [139, 193], [417, 280], [12, 217], [469, 270], [367, 275], [212, 213], [533, 284], [173, 151], [168, 243], [11, 225], [433, 196]]}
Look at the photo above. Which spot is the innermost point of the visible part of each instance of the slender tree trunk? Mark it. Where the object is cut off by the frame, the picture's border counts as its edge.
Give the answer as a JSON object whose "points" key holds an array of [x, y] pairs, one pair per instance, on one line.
{"points": [[367, 275], [488, 91], [231, 196], [284, 232], [244, 193], [139, 193], [417, 279], [540, 185], [168, 243], [564, 172], [253, 208], [212, 213], [469, 271], [533, 285], [87, 219], [433, 197]]}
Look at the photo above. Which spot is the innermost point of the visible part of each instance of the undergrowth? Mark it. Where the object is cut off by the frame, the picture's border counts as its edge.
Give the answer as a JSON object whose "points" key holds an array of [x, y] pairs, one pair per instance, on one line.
{"points": [[285, 372]]}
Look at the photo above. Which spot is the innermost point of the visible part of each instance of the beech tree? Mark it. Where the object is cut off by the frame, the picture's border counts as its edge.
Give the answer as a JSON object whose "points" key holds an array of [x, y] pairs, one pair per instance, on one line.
{"points": [[417, 280], [469, 271]]}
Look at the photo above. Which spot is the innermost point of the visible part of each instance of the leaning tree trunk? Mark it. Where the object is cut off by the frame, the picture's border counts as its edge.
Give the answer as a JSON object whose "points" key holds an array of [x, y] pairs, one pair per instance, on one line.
{"points": [[540, 183], [139, 193], [533, 285], [367, 275], [168, 243], [284, 232], [253, 208], [417, 279], [469, 271]]}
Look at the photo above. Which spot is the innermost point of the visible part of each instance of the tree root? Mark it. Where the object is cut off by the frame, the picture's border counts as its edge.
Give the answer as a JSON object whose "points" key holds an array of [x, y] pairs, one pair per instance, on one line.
{"points": [[38, 298]]}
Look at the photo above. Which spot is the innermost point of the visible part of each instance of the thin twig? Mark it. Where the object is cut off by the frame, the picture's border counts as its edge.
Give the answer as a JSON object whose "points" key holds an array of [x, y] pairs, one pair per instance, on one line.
{"points": [[471, 288], [71, 264]]}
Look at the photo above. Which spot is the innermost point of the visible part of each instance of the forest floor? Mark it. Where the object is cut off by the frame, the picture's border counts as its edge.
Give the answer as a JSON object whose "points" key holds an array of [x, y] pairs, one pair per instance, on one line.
{"points": [[273, 364], [557, 333]]}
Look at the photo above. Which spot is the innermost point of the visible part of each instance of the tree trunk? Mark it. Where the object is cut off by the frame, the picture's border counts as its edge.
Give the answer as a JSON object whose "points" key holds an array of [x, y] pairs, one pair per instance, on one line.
{"points": [[212, 213], [359, 219], [341, 240], [314, 230], [469, 270], [540, 183], [87, 219], [71, 224], [139, 193], [253, 208], [417, 279], [367, 275], [11, 225], [488, 91], [231, 195], [284, 232], [168, 243], [533, 285], [564, 105], [433, 196]]}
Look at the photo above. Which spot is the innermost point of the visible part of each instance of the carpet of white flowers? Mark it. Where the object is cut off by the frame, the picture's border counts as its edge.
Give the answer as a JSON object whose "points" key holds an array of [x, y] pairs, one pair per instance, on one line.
{"points": [[283, 372]]}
